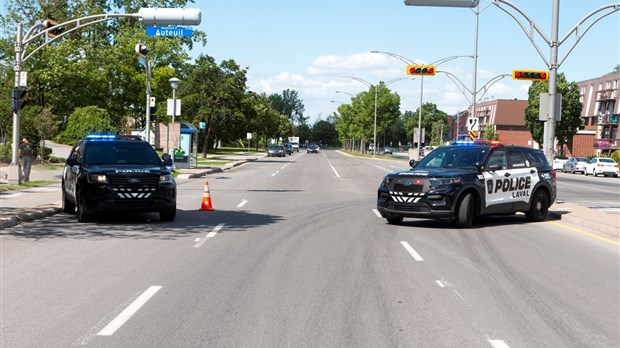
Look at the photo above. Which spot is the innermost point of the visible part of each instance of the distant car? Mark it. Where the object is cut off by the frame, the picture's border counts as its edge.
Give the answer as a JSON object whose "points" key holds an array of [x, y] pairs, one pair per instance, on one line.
{"points": [[558, 162], [575, 164], [275, 150], [288, 148], [602, 165], [387, 150], [313, 149]]}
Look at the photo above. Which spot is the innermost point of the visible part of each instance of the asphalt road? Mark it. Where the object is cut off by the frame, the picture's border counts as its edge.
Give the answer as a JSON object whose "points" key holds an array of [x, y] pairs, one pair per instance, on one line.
{"points": [[295, 255]]}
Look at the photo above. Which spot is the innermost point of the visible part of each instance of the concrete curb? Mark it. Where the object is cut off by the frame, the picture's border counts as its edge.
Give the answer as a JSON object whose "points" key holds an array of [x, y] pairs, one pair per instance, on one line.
{"points": [[568, 217], [28, 214]]}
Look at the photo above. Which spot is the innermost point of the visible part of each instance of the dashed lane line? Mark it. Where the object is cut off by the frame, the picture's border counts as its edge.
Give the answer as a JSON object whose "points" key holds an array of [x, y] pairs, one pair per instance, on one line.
{"points": [[126, 314]]}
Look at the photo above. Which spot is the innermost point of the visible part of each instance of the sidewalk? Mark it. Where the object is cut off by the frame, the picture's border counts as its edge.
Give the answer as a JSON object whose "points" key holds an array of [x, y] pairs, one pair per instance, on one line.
{"points": [[39, 202]]}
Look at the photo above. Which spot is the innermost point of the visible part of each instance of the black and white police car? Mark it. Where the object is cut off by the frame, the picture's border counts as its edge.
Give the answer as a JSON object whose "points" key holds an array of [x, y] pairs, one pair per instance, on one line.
{"points": [[468, 179], [117, 174]]}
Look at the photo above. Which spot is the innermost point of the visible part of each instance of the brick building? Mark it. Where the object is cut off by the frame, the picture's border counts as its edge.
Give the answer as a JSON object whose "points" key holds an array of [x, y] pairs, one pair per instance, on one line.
{"points": [[601, 108], [506, 116], [597, 136]]}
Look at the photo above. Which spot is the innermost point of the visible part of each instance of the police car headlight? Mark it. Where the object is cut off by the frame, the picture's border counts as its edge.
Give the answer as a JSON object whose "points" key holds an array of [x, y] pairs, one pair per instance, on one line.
{"points": [[97, 178], [165, 179], [444, 181], [386, 180]]}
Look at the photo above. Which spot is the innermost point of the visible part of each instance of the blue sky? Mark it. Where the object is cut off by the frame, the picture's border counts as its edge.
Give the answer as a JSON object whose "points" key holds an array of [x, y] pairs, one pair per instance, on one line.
{"points": [[309, 45]]}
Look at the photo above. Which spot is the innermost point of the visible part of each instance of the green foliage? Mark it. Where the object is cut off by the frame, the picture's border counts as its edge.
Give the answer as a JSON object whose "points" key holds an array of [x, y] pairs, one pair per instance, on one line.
{"points": [[430, 116], [87, 120], [616, 156], [289, 104], [571, 110], [489, 133], [324, 132]]}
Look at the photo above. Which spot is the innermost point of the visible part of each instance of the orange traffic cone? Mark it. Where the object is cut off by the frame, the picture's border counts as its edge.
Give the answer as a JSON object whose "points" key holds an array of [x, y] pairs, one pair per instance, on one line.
{"points": [[206, 199]]}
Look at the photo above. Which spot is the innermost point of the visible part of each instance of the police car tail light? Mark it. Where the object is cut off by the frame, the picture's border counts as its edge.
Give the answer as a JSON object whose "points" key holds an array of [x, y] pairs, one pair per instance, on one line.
{"points": [[165, 179], [97, 178]]}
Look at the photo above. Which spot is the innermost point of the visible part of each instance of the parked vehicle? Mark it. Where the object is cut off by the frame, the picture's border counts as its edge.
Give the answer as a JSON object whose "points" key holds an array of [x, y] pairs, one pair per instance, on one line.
{"points": [[275, 150], [602, 165], [558, 162], [575, 164], [387, 150], [288, 148]]}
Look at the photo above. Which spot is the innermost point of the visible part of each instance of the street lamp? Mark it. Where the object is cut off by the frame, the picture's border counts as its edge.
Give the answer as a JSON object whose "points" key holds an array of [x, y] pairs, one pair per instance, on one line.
{"points": [[374, 144], [409, 61], [174, 83]]}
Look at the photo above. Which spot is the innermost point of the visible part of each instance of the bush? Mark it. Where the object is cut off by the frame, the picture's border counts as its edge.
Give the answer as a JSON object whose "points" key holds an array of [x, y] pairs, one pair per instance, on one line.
{"points": [[616, 156]]}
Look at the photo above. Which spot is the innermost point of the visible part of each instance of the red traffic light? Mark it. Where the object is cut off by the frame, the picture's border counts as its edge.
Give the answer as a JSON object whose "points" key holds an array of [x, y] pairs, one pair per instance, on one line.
{"points": [[533, 75], [415, 69]]}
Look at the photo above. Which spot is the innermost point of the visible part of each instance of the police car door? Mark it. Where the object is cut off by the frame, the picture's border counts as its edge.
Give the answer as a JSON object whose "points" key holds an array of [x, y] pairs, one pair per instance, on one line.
{"points": [[524, 176], [497, 180]]}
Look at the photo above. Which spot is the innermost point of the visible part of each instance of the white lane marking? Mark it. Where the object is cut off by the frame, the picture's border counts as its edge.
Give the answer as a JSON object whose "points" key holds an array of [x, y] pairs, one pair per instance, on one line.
{"points": [[196, 240], [120, 319], [243, 202], [211, 234], [11, 195], [377, 213], [499, 344], [334, 169], [411, 251], [385, 169], [439, 283]]}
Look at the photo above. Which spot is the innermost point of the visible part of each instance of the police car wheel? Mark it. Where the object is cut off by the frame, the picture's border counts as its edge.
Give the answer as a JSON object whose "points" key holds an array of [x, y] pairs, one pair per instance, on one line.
{"points": [[464, 216], [67, 206], [395, 220], [82, 213], [539, 207], [168, 215]]}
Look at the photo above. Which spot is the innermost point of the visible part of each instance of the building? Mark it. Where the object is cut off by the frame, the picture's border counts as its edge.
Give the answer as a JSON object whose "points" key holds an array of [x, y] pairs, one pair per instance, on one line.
{"points": [[506, 116], [601, 106]]}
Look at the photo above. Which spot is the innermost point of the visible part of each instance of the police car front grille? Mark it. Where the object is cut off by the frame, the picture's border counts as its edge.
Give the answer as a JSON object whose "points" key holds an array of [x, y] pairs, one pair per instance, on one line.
{"points": [[133, 187], [407, 188], [407, 207]]}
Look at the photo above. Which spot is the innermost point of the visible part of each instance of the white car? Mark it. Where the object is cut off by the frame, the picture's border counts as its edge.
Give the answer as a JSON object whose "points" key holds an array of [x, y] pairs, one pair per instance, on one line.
{"points": [[602, 165], [558, 162], [575, 164]]}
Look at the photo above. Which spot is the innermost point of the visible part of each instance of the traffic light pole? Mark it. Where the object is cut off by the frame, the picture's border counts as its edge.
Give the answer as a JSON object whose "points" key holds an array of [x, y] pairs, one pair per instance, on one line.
{"points": [[553, 64]]}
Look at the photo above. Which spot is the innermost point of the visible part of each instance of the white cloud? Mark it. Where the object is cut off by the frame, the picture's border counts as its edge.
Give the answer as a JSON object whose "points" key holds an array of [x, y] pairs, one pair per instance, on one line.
{"points": [[318, 84]]}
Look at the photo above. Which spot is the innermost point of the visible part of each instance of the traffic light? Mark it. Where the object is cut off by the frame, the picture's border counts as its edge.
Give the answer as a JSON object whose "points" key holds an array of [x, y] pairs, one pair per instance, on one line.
{"points": [[142, 50], [50, 23], [17, 101], [534, 75], [424, 70]]}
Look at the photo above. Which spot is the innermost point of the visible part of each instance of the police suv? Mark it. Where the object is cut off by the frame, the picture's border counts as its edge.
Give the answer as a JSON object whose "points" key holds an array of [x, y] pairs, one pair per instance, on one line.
{"points": [[468, 179], [117, 173]]}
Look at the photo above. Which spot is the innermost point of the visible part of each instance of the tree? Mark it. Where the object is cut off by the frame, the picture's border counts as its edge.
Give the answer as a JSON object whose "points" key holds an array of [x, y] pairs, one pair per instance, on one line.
{"points": [[324, 133], [86, 120], [571, 111], [430, 115], [46, 126], [289, 104], [489, 133]]}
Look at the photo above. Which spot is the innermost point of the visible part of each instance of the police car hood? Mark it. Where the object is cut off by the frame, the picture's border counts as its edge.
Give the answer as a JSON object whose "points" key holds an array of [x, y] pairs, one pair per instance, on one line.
{"points": [[436, 172], [127, 168]]}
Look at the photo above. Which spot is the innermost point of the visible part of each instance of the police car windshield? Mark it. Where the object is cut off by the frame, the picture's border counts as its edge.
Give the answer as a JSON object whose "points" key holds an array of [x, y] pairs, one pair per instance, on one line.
{"points": [[114, 152], [454, 157]]}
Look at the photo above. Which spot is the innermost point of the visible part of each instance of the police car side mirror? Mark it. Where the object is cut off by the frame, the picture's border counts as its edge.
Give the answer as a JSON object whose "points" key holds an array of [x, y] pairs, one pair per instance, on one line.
{"points": [[167, 159], [412, 163], [72, 161]]}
